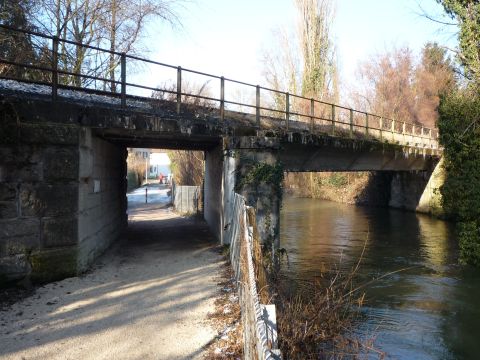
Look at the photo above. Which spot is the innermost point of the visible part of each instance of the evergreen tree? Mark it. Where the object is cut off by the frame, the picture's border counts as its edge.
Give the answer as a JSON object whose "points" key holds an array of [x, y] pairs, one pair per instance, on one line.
{"points": [[467, 14], [15, 46], [460, 133]]}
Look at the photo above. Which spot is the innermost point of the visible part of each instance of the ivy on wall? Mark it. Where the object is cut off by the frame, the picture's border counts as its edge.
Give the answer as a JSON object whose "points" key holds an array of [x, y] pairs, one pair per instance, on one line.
{"points": [[263, 173], [459, 126]]}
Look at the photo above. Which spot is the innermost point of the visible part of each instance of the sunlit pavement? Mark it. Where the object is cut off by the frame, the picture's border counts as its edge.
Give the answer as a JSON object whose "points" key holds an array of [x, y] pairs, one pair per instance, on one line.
{"points": [[149, 196]]}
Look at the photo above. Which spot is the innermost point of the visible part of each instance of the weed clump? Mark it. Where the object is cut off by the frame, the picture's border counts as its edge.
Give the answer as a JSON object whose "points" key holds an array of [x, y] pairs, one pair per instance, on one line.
{"points": [[316, 319]]}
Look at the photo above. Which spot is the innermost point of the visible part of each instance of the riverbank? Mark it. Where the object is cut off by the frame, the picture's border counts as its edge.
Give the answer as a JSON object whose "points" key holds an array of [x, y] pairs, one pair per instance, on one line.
{"points": [[149, 297], [355, 188], [412, 191]]}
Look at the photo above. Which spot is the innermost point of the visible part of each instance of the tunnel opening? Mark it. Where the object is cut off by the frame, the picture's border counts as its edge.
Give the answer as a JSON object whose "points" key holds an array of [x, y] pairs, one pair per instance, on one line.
{"points": [[135, 195], [165, 197]]}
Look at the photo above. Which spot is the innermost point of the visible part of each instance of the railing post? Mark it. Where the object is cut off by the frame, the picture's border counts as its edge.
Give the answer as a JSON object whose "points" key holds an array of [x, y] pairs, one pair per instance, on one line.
{"points": [[54, 68], [222, 98], [333, 119], [257, 105], [393, 130], [381, 128], [351, 123], [287, 109], [413, 135], [123, 78], [312, 115], [366, 124], [179, 88]]}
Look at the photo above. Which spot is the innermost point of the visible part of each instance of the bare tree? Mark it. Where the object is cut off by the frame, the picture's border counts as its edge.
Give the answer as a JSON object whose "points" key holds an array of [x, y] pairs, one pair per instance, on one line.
{"points": [[125, 22], [388, 81], [115, 24], [434, 76], [77, 21], [282, 66], [314, 25], [304, 61], [396, 86], [187, 167]]}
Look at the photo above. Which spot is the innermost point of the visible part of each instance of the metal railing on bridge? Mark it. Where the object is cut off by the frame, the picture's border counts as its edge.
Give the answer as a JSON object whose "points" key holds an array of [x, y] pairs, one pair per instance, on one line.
{"points": [[104, 72]]}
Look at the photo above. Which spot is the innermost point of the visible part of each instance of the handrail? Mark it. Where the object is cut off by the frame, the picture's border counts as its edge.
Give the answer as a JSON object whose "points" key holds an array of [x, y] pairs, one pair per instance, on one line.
{"points": [[334, 114]]}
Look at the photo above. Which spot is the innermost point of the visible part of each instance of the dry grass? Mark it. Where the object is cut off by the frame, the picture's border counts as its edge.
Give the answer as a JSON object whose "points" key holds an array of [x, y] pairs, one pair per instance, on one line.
{"points": [[316, 318], [326, 185], [226, 319]]}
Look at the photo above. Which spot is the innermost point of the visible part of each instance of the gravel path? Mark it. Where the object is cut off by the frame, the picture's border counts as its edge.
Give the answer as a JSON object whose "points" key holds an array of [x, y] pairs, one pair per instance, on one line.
{"points": [[147, 298]]}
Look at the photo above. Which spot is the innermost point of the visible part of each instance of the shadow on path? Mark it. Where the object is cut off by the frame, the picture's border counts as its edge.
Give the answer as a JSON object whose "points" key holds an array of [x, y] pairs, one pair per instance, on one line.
{"points": [[148, 297]]}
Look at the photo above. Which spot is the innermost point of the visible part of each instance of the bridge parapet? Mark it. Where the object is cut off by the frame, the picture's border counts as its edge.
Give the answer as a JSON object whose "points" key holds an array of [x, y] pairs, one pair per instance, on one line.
{"points": [[218, 97]]}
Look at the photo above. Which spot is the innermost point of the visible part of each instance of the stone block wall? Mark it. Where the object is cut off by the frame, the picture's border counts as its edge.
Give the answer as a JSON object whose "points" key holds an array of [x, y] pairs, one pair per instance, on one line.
{"points": [[62, 196], [38, 199]]}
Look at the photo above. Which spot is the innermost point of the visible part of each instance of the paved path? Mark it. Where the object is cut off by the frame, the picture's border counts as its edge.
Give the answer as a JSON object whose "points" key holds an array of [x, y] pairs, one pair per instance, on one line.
{"points": [[148, 298]]}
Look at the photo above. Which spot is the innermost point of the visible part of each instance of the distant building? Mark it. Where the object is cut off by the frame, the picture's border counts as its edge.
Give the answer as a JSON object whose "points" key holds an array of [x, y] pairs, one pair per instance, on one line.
{"points": [[147, 163], [139, 153]]}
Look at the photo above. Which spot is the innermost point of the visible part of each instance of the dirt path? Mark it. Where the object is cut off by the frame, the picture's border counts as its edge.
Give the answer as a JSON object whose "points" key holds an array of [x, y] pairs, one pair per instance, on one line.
{"points": [[148, 298]]}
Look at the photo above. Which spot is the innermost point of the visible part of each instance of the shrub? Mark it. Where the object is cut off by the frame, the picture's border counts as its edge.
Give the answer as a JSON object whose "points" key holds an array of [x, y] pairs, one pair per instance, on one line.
{"points": [[459, 126]]}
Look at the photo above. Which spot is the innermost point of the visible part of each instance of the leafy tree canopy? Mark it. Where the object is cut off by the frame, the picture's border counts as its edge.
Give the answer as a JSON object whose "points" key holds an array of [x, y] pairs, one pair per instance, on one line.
{"points": [[467, 14]]}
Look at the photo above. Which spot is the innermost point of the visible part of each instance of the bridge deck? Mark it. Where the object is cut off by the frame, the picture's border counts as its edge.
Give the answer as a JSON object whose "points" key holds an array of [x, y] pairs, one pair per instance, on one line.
{"points": [[228, 123]]}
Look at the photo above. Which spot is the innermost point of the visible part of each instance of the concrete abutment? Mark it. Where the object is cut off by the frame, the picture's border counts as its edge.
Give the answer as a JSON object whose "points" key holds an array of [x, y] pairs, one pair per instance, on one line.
{"points": [[62, 200], [249, 164]]}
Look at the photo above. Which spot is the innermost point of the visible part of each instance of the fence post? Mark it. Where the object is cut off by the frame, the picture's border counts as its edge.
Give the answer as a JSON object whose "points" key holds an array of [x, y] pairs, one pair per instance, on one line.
{"points": [[287, 109], [54, 68], [351, 123], [333, 119], [393, 130], [123, 78], [413, 135], [179, 88], [257, 105], [312, 115], [381, 128], [366, 123], [222, 98]]}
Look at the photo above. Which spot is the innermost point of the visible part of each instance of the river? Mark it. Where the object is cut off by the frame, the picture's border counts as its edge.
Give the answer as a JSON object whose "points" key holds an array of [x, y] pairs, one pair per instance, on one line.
{"points": [[429, 311]]}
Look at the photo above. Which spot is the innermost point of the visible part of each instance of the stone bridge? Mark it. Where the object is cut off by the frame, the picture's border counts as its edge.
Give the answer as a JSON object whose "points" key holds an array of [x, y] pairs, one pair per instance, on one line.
{"points": [[63, 158]]}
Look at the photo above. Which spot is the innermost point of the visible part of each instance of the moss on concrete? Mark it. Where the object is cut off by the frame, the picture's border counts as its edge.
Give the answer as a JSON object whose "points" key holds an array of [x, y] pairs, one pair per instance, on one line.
{"points": [[55, 264]]}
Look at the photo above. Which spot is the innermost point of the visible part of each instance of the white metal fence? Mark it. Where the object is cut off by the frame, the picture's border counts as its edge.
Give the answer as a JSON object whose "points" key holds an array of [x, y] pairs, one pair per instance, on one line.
{"points": [[186, 199], [260, 335]]}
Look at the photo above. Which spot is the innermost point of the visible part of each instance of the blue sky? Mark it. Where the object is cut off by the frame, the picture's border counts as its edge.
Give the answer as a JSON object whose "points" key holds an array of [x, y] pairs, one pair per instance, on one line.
{"points": [[226, 37]]}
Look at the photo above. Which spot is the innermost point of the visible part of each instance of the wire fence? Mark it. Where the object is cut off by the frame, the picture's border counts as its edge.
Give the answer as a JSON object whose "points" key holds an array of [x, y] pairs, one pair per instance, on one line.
{"points": [[260, 334], [114, 74]]}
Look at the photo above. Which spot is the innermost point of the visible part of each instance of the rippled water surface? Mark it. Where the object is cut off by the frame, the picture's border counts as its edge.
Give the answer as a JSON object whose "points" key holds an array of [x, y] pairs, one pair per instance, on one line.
{"points": [[429, 311]]}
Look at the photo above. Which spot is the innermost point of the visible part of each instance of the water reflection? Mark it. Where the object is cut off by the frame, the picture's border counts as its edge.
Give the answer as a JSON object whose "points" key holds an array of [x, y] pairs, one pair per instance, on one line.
{"points": [[428, 310]]}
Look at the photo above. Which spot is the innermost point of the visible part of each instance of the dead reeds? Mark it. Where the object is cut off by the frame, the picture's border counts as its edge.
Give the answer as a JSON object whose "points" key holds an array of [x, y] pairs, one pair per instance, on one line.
{"points": [[316, 318]]}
